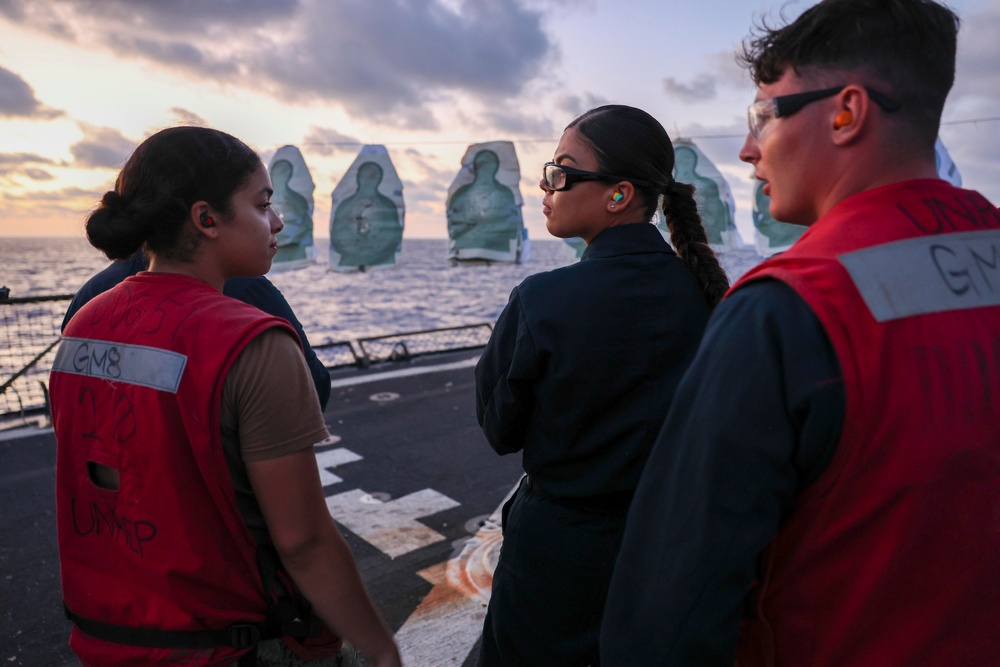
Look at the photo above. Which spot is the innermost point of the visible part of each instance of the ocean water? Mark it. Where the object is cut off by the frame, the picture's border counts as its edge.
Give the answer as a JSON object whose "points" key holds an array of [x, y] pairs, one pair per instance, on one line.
{"points": [[422, 291]]}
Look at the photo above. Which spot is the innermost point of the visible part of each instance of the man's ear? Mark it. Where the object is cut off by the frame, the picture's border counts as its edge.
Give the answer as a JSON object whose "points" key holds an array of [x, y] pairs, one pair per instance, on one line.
{"points": [[852, 113]]}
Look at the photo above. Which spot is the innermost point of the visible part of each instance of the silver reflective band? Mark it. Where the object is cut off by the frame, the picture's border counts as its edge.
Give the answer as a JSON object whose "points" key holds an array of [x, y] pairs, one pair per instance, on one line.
{"points": [[930, 274], [132, 364]]}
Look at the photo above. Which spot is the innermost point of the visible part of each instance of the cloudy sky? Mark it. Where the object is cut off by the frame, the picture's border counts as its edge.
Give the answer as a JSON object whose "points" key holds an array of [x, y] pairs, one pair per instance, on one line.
{"points": [[83, 81]]}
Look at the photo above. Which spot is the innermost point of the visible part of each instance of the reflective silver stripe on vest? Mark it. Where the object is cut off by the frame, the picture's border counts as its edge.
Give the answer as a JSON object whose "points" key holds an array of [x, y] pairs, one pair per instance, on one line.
{"points": [[930, 274], [132, 364]]}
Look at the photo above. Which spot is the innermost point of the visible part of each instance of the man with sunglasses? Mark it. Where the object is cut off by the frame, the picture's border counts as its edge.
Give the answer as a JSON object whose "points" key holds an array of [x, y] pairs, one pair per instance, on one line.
{"points": [[826, 487]]}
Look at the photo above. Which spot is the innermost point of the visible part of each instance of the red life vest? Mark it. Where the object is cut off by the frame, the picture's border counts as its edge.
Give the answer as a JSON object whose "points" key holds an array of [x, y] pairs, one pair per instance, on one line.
{"points": [[137, 386], [892, 557]]}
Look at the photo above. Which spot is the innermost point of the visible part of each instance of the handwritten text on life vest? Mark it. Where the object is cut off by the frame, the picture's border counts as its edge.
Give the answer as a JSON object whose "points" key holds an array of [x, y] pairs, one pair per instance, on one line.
{"points": [[91, 520]]}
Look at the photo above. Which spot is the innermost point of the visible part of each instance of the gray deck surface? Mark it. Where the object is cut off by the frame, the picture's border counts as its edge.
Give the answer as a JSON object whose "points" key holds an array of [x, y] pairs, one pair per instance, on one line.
{"points": [[410, 480]]}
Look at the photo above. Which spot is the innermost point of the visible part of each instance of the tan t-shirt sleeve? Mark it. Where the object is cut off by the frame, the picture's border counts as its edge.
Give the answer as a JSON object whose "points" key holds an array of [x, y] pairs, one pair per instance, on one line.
{"points": [[269, 400]]}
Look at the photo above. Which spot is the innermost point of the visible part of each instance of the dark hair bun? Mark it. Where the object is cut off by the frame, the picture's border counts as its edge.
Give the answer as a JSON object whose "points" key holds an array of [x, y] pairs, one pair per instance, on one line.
{"points": [[110, 229], [112, 201]]}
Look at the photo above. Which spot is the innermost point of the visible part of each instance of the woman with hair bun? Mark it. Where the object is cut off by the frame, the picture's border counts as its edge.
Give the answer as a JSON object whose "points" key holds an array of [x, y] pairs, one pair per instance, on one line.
{"points": [[579, 373], [189, 508]]}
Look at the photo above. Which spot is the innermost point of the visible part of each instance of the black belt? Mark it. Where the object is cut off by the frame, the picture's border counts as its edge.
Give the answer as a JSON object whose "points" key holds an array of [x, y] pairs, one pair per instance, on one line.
{"points": [[607, 503], [242, 635]]}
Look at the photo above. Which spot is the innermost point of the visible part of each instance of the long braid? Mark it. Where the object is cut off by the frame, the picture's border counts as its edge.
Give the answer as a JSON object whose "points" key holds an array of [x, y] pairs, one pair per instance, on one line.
{"points": [[687, 235]]}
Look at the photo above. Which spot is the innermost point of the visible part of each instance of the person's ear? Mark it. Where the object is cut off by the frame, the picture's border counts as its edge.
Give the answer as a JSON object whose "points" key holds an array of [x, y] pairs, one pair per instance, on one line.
{"points": [[204, 219], [853, 111], [621, 196]]}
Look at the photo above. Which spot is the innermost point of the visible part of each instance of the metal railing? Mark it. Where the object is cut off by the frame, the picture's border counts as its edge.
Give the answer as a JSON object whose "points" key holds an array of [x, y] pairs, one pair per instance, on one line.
{"points": [[31, 334], [364, 352]]}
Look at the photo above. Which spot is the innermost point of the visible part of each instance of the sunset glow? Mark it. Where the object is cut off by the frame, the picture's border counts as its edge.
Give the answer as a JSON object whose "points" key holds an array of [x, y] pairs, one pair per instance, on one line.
{"points": [[82, 84]]}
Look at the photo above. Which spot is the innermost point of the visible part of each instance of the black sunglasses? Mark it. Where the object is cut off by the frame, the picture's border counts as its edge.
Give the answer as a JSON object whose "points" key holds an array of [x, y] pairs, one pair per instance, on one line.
{"points": [[762, 111], [558, 177]]}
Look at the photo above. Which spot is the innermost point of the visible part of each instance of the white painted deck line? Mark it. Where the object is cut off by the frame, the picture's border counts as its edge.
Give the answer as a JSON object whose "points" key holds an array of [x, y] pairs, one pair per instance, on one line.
{"points": [[390, 526], [331, 459], [447, 624], [24, 432], [405, 372]]}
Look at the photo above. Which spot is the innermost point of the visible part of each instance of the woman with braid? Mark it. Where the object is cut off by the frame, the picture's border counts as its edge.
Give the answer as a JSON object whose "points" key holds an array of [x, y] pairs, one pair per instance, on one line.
{"points": [[579, 373]]}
